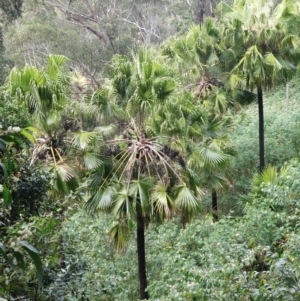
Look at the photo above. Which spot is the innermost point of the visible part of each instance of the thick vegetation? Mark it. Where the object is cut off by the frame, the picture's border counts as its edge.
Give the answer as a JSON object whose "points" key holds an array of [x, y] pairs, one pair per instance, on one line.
{"points": [[140, 166]]}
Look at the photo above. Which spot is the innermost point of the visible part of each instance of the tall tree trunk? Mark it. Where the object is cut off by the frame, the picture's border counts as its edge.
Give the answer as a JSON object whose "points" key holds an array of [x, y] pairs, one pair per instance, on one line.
{"points": [[261, 129], [212, 9], [141, 251], [214, 203]]}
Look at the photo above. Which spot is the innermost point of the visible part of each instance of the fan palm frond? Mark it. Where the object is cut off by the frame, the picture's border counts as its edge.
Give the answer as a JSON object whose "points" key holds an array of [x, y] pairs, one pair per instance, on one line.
{"points": [[102, 200], [161, 200], [106, 131], [185, 200], [82, 139], [63, 178], [92, 161], [268, 176], [123, 204]]}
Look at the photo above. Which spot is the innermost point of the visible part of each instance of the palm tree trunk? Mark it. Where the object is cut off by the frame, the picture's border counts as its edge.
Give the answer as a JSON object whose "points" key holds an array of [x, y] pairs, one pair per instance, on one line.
{"points": [[141, 252], [261, 129], [214, 202]]}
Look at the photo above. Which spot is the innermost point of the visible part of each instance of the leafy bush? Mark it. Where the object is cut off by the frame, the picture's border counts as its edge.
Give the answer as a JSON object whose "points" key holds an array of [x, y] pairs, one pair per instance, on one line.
{"points": [[90, 269], [282, 142], [247, 258]]}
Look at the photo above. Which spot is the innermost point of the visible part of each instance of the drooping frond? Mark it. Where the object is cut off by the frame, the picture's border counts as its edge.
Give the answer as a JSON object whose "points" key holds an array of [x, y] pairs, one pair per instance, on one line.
{"points": [[63, 177], [123, 204], [161, 200], [118, 235], [185, 200], [92, 161], [102, 200]]}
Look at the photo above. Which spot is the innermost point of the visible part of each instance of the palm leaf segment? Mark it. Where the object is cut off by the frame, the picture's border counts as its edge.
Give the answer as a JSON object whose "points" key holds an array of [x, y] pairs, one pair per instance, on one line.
{"points": [[150, 85]]}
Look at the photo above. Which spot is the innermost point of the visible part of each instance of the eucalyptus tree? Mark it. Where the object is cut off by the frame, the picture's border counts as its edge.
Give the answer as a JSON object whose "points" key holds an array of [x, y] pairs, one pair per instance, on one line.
{"points": [[260, 38], [144, 176]]}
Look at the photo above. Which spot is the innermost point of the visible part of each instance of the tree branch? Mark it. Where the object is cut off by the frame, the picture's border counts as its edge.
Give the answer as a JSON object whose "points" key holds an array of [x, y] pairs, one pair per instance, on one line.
{"points": [[138, 26]]}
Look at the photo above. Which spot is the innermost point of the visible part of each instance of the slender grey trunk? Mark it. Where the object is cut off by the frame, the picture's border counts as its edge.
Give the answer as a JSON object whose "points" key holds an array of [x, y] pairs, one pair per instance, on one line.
{"points": [[211, 7]]}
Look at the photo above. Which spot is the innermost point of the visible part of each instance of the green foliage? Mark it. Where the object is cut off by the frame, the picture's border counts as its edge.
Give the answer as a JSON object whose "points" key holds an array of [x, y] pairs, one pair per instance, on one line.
{"points": [[13, 114], [18, 201], [253, 257], [11, 10], [281, 133], [235, 259], [89, 268]]}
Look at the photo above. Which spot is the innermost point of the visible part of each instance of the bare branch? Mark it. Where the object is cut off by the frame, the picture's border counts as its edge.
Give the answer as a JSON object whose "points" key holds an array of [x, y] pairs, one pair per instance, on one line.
{"points": [[138, 26]]}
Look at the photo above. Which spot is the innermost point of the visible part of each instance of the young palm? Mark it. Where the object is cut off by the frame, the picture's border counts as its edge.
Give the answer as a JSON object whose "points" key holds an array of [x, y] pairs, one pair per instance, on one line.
{"points": [[45, 93]]}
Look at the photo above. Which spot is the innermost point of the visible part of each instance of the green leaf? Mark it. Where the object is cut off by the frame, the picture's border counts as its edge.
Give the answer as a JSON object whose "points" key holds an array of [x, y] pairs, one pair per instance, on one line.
{"points": [[27, 135], [185, 200], [118, 235], [4, 170], [91, 161], [6, 196], [83, 139], [20, 259], [161, 200], [123, 204], [102, 200], [33, 129], [106, 130], [28, 246], [33, 253]]}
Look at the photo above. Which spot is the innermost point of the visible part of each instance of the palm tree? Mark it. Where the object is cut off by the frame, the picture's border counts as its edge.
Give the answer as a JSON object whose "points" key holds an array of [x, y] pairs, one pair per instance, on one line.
{"points": [[213, 163], [258, 36], [203, 136], [201, 54], [45, 93], [144, 176], [197, 54]]}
